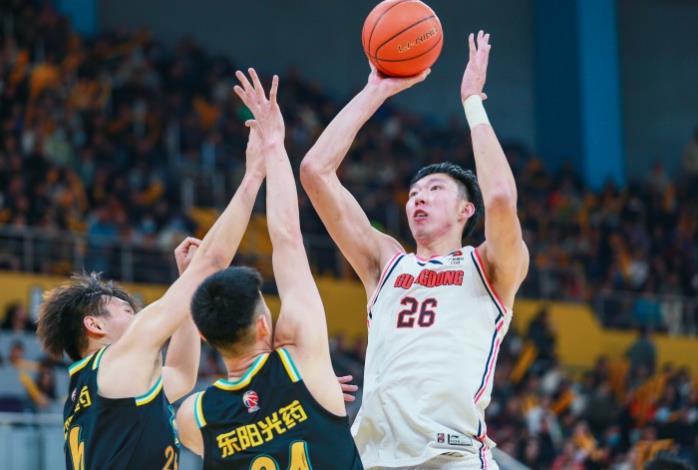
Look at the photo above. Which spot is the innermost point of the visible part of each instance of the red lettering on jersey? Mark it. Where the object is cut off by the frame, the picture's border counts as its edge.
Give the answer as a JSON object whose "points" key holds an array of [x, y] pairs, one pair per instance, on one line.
{"points": [[422, 278], [448, 278], [429, 278], [404, 281]]}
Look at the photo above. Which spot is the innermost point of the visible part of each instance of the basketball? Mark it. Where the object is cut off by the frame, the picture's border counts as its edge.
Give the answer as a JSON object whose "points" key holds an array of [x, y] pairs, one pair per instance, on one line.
{"points": [[402, 38]]}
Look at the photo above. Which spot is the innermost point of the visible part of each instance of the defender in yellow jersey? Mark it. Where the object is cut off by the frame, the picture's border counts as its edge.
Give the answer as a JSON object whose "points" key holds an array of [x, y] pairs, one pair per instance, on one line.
{"points": [[281, 406]]}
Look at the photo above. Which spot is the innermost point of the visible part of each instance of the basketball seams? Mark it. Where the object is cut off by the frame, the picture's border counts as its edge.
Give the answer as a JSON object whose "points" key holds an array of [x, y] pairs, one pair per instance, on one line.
{"points": [[378, 20], [415, 57], [399, 33]]}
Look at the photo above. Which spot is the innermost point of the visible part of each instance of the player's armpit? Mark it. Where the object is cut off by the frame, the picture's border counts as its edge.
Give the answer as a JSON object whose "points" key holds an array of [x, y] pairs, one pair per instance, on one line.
{"points": [[506, 267], [187, 427]]}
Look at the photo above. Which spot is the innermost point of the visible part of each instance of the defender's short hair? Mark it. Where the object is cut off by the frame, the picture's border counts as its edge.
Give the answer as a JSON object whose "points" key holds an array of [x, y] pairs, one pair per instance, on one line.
{"points": [[60, 327], [467, 183], [224, 307]]}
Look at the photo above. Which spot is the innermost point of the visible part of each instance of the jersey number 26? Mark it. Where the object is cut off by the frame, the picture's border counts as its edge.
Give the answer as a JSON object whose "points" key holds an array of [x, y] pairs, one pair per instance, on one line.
{"points": [[408, 317]]}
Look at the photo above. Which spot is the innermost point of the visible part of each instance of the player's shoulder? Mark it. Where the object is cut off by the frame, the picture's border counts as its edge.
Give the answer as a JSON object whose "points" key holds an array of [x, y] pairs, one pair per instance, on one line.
{"points": [[388, 248]]}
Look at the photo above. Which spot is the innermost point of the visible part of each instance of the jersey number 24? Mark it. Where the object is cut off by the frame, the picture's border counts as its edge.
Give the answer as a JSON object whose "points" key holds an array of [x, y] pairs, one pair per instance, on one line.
{"points": [[299, 459]]}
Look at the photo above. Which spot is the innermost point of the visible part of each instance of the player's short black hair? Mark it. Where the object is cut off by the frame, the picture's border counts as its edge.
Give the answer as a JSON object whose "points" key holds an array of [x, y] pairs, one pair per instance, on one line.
{"points": [[224, 307], [667, 462], [467, 183], [60, 328]]}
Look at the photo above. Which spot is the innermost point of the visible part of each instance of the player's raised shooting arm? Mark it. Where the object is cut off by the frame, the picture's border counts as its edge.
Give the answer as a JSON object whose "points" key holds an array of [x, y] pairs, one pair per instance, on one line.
{"points": [[504, 250], [365, 248]]}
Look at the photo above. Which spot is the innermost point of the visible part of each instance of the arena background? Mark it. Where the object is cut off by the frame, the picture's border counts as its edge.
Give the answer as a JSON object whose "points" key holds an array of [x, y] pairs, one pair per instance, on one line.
{"points": [[595, 101]]}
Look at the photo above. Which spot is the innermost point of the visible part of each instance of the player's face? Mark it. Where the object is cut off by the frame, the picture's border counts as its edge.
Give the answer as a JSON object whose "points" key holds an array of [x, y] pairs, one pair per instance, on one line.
{"points": [[435, 207], [120, 316]]}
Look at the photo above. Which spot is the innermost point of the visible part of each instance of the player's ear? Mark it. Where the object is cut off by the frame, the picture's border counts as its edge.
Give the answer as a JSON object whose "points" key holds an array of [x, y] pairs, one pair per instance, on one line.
{"points": [[262, 326], [93, 325], [466, 210]]}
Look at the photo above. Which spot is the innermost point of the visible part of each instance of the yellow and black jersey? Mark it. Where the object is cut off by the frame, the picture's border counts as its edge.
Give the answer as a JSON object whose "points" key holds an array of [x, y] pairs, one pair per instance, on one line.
{"points": [[268, 420], [125, 433]]}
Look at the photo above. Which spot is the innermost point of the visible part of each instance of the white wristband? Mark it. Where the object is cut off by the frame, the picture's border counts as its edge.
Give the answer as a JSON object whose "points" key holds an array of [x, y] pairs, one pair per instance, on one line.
{"points": [[474, 111]]}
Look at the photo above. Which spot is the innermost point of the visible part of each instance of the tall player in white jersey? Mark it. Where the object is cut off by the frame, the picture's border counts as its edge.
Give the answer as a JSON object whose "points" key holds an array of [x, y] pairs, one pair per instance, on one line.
{"points": [[437, 316]]}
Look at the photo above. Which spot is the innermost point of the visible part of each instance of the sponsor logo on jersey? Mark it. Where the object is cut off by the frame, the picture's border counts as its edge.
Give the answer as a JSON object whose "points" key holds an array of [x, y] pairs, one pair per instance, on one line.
{"points": [[459, 440], [251, 400], [455, 440], [428, 278]]}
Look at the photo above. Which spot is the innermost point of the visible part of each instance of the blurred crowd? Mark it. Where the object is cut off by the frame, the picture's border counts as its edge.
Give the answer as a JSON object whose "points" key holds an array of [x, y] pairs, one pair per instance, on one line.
{"points": [[617, 416]]}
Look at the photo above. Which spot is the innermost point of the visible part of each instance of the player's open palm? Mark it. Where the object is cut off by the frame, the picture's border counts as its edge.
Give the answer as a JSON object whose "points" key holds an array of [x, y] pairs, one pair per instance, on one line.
{"points": [[268, 121], [476, 71]]}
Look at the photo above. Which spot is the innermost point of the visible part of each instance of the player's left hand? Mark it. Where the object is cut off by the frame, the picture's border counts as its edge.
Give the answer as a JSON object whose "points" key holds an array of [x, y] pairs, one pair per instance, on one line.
{"points": [[185, 252], [347, 387], [268, 121], [476, 71]]}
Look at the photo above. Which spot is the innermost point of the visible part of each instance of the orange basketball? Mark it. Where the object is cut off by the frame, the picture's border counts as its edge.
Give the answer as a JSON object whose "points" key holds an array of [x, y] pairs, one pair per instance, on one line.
{"points": [[402, 38]]}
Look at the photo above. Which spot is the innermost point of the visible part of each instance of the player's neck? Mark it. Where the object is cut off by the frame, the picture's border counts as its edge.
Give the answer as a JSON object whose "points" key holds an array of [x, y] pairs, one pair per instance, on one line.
{"points": [[238, 365], [93, 346], [437, 247]]}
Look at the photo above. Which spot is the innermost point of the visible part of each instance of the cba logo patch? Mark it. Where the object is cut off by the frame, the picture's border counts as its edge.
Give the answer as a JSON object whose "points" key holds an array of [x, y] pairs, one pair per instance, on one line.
{"points": [[251, 400]]}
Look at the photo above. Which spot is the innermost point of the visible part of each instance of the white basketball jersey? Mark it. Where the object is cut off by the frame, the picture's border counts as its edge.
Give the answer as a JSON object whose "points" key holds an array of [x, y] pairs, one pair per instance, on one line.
{"points": [[435, 327]]}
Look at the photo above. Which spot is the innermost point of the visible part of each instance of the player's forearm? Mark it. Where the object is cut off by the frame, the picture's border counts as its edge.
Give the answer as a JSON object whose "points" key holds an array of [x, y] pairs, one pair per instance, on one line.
{"points": [[222, 240], [283, 217], [182, 360], [334, 143], [493, 171]]}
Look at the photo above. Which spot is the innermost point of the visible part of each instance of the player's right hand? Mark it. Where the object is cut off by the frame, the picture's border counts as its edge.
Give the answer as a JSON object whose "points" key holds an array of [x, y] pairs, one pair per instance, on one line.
{"points": [[385, 86]]}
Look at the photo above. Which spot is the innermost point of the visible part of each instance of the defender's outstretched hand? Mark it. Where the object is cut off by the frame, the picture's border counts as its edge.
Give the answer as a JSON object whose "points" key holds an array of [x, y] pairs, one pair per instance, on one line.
{"points": [[476, 71], [388, 86], [268, 121]]}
